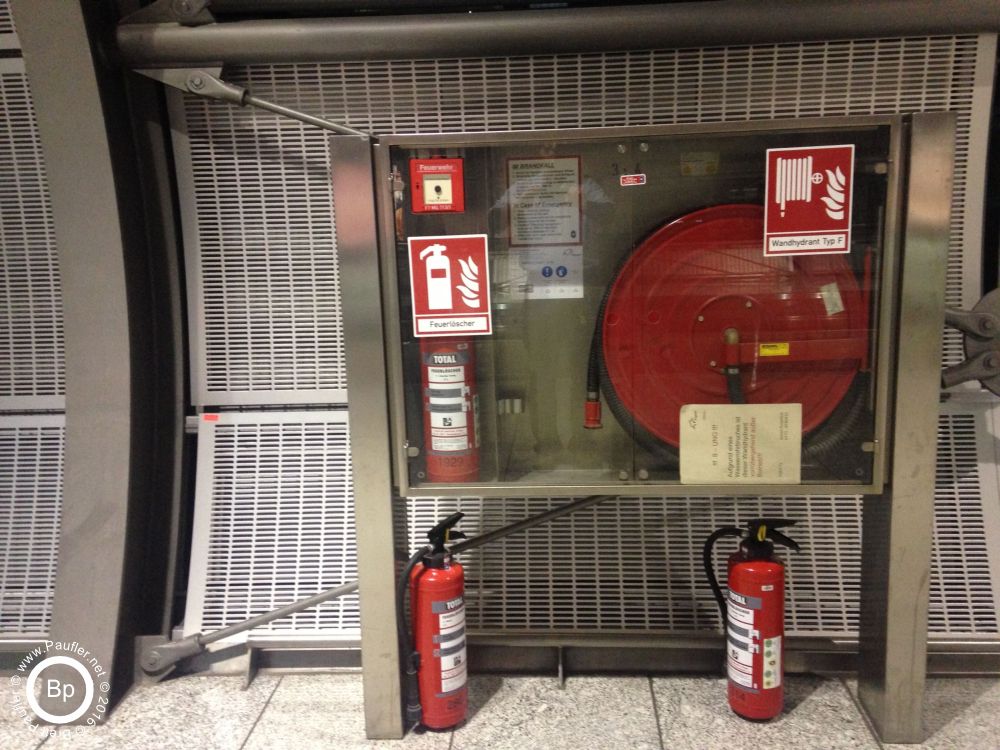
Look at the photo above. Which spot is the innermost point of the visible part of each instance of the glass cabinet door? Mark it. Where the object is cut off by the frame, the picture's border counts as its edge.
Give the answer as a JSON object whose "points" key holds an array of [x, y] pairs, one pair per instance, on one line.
{"points": [[645, 310]]}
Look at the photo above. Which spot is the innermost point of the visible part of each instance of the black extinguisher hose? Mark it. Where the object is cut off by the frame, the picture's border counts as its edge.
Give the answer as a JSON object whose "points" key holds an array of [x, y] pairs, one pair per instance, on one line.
{"points": [[407, 647], [706, 557]]}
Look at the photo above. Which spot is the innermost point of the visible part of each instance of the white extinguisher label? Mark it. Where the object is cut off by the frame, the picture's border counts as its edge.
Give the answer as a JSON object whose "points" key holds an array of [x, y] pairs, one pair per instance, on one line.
{"points": [[448, 406], [743, 679], [740, 614], [450, 644], [742, 638], [445, 375]]}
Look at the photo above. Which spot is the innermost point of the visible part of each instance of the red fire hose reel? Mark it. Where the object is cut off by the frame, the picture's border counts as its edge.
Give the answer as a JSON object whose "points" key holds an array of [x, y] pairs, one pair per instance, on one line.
{"points": [[698, 300]]}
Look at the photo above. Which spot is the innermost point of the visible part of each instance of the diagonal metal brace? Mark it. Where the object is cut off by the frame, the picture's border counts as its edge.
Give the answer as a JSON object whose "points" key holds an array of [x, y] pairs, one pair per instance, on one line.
{"points": [[204, 83], [165, 655], [159, 657]]}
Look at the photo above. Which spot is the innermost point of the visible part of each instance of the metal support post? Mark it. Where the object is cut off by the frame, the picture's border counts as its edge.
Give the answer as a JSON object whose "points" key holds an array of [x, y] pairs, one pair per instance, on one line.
{"points": [[357, 248], [897, 527]]}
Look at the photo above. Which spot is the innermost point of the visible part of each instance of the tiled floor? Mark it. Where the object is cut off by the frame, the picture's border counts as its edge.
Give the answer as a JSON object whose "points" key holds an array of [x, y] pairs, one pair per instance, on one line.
{"points": [[662, 713]]}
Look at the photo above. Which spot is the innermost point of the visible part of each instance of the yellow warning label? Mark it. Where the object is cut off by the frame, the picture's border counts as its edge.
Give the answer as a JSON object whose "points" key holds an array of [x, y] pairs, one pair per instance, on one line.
{"points": [[773, 350]]}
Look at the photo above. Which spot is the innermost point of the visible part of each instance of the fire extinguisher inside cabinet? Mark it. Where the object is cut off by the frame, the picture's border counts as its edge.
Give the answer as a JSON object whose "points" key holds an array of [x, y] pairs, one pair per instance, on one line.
{"points": [[451, 409]]}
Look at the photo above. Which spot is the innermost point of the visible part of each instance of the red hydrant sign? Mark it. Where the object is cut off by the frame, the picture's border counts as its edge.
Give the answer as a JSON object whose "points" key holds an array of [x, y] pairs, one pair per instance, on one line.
{"points": [[450, 285], [807, 203]]}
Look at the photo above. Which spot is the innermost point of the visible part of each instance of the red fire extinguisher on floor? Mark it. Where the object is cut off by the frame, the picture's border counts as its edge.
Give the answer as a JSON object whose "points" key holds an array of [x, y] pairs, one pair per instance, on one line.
{"points": [[451, 409], [753, 613], [435, 689]]}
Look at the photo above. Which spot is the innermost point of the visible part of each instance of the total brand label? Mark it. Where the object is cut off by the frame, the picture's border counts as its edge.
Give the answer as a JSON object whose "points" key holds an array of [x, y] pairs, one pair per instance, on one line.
{"points": [[450, 649]]}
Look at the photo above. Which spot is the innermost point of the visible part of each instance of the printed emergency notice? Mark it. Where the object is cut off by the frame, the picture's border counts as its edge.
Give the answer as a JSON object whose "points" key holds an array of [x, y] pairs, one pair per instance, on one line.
{"points": [[544, 201], [741, 443]]}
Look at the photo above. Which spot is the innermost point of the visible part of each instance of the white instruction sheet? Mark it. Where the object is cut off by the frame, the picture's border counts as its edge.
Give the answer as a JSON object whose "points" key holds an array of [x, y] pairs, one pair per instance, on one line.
{"points": [[741, 443]]}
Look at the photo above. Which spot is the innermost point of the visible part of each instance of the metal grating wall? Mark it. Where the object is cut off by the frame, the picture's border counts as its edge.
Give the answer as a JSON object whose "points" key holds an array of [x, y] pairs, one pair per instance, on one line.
{"points": [[274, 521], [256, 190], [31, 464], [32, 379], [634, 565], [31, 324], [966, 557], [6, 18], [263, 279]]}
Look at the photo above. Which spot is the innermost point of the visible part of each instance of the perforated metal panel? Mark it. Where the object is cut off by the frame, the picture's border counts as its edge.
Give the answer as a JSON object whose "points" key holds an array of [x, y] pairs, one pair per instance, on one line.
{"points": [[966, 553], [31, 323], [634, 565], [258, 224], [8, 34], [274, 522], [31, 472], [263, 280]]}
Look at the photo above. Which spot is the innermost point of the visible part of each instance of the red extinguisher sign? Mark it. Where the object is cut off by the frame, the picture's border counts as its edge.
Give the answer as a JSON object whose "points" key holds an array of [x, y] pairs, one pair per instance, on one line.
{"points": [[450, 285]]}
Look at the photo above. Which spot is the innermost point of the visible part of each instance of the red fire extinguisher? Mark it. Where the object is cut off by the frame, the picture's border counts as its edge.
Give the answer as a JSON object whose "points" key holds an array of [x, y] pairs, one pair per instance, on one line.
{"points": [[451, 409], [754, 615], [436, 693]]}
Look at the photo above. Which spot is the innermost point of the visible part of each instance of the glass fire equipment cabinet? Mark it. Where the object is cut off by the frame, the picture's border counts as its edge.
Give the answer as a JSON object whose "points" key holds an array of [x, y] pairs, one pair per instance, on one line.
{"points": [[700, 310]]}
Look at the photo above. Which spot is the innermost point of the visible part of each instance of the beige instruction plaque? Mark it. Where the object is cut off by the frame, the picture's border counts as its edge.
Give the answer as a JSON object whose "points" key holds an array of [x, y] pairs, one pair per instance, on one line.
{"points": [[741, 443]]}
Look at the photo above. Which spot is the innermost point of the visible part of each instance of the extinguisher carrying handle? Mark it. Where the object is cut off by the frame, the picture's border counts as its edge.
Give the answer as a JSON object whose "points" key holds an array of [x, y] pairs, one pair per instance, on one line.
{"points": [[778, 538], [706, 556], [761, 529], [444, 532]]}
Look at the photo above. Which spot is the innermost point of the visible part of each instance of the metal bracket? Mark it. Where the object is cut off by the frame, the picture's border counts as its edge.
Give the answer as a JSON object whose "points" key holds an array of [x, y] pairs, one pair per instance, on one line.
{"points": [[206, 82], [981, 327], [144, 644], [184, 12], [979, 324], [160, 657], [981, 367]]}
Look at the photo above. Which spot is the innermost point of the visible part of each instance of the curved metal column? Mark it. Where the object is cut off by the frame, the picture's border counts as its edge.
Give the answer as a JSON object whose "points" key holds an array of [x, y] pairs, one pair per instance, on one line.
{"points": [[99, 390]]}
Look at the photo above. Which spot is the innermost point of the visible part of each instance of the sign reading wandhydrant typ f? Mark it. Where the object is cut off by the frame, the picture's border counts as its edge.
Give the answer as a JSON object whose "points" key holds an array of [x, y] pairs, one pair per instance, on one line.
{"points": [[807, 206], [450, 285]]}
